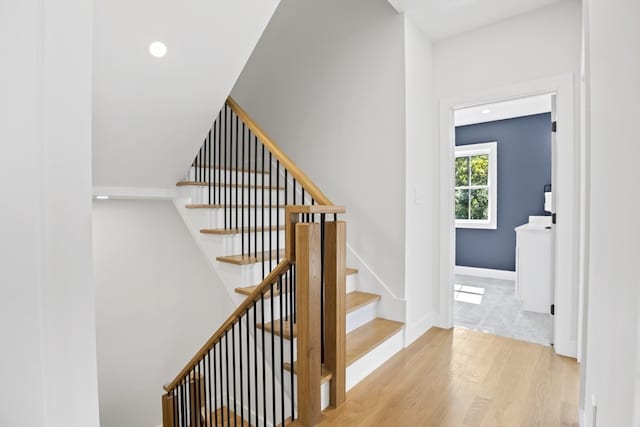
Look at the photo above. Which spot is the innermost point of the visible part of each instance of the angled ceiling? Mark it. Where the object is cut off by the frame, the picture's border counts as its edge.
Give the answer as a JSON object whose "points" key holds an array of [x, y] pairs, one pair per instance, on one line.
{"points": [[444, 18], [150, 114]]}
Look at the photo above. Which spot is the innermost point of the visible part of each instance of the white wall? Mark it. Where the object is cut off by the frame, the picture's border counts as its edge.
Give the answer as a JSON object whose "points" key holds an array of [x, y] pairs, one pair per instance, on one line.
{"points": [[157, 302], [422, 175], [47, 325], [612, 370], [326, 81], [151, 115], [541, 44]]}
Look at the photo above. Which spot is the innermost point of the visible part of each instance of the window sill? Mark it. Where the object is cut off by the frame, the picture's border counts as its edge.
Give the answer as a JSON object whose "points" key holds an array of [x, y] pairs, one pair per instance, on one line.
{"points": [[478, 225]]}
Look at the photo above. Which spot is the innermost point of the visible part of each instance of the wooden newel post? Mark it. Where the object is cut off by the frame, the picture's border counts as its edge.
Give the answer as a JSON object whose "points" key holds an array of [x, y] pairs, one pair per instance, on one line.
{"points": [[308, 294], [335, 279], [167, 410]]}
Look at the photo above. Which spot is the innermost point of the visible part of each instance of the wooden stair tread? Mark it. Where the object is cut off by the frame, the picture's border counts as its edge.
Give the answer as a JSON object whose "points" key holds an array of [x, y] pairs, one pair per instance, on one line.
{"points": [[205, 166], [325, 375], [275, 329], [351, 271], [218, 206], [358, 299], [355, 300], [224, 418], [252, 259], [368, 336], [222, 184], [222, 231], [246, 290]]}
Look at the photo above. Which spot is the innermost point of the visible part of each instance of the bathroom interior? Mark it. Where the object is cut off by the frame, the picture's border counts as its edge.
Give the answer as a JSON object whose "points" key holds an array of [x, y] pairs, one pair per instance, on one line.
{"points": [[503, 206]]}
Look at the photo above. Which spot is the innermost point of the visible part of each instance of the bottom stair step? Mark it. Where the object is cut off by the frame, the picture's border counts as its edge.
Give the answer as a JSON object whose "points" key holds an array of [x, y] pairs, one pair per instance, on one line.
{"points": [[369, 336]]}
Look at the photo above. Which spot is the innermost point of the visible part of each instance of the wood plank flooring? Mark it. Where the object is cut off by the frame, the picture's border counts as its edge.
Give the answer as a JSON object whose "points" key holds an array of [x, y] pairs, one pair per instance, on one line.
{"points": [[460, 377]]}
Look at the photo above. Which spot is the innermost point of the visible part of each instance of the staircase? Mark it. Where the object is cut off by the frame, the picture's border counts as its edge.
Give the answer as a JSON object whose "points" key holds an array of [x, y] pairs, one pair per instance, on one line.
{"points": [[302, 334]]}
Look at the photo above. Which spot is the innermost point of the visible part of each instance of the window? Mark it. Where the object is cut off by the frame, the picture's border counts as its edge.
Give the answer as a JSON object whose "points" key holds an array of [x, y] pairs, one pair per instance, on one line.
{"points": [[476, 185]]}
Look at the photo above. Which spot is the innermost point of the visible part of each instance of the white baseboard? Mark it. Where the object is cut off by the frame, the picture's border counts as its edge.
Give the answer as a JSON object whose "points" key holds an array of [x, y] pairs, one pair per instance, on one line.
{"points": [[485, 272], [414, 330]]}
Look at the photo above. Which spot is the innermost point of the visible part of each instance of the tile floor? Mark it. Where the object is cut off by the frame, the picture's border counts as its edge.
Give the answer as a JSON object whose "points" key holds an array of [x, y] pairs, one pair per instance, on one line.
{"points": [[490, 305]]}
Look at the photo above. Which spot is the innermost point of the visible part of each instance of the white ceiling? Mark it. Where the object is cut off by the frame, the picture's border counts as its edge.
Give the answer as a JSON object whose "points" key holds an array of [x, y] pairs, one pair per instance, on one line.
{"points": [[150, 115], [444, 18], [503, 110]]}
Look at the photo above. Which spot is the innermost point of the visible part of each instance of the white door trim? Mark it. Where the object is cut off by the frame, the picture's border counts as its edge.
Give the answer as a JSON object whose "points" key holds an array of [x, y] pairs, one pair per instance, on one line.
{"points": [[567, 241]]}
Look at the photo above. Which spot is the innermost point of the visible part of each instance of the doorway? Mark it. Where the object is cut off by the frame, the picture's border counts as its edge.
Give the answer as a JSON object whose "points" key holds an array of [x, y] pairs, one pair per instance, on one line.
{"points": [[502, 207], [566, 199]]}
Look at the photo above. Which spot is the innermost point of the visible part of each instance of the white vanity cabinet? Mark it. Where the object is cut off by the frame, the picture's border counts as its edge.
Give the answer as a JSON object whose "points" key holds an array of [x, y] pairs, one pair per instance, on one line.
{"points": [[534, 266]]}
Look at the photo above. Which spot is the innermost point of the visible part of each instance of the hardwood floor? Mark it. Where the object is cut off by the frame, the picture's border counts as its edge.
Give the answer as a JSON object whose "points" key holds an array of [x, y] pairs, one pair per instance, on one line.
{"points": [[460, 377]]}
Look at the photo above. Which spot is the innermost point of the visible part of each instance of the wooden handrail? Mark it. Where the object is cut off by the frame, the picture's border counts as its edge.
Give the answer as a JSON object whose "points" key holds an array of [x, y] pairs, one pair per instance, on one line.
{"points": [[286, 162], [280, 269]]}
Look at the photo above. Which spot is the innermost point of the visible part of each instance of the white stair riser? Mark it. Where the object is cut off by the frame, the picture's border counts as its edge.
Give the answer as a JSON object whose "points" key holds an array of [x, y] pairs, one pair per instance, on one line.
{"points": [[215, 218], [228, 176], [352, 282], [362, 315], [231, 244], [228, 195], [245, 275], [364, 366]]}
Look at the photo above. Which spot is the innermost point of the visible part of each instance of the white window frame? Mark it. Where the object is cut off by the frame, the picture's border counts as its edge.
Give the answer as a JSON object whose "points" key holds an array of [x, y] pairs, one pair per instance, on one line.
{"points": [[491, 149]]}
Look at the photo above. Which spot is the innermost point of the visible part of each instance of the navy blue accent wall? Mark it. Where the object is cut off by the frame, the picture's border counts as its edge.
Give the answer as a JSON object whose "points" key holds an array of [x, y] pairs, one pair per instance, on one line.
{"points": [[524, 167]]}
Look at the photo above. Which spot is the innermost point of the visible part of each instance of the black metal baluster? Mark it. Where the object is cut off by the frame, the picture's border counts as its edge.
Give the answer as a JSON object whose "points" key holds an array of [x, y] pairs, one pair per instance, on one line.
{"points": [[282, 352], [263, 224], [229, 187], [208, 169], [204, 169], [248, 316], [174, 402], [233, 364], [207, 388], [219, 365], [237, 168], [225, 169], [270, 219], [180, 391], [214, 405], [197, 392], [291, 323], [244, 130], [255, 358], [183, 399], [240, 365], [197, 165], [273, 356], [264, 365], [295, 193], [322, 287], [226, 364], [213, 166], [219, 163]]}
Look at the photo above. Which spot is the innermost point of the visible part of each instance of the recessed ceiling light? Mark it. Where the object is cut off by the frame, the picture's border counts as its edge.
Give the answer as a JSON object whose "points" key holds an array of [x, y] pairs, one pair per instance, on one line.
{"points": [[486, 111], [102, 197], [157, 49]]}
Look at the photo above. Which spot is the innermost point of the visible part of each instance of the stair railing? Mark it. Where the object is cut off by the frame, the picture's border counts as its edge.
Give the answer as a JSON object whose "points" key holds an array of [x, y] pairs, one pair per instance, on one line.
{"points": [[238, 166], [302, 296]]}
